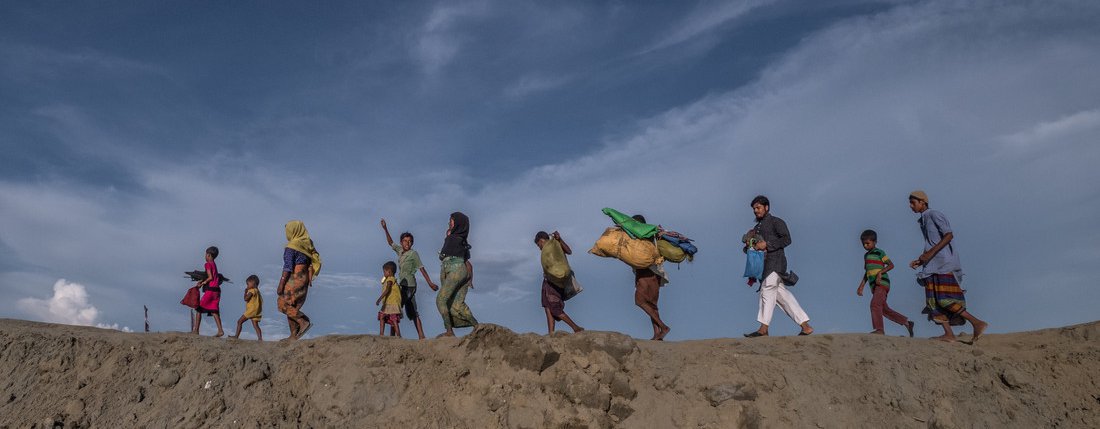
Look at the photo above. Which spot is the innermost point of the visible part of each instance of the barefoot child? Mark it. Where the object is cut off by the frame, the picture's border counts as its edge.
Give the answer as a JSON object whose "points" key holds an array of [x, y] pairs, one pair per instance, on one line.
{"points": [[875, 265], [408, 264], [210, 303], [940, 271], [391, 309], [253, 307], [553, 296]]}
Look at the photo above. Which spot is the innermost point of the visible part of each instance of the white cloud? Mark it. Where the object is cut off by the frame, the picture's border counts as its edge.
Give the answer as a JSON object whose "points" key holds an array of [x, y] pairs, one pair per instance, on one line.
{"points": [[704, 19], [347, 280], [29, 61], [534, 83], [437, 43], [1084, 123], [69, 305]]}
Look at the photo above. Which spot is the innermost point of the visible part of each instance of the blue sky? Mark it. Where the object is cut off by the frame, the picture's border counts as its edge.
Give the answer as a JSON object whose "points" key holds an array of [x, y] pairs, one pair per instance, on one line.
{"points": [[136, 134]]}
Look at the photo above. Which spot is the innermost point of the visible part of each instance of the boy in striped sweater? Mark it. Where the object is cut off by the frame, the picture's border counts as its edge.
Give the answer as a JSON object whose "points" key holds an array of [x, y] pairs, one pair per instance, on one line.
{"points": [[875, 265]]}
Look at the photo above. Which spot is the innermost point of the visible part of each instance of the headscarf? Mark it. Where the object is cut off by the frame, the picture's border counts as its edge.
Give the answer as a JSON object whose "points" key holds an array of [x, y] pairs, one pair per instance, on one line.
{"points": [[297, 238], [455, 244]]}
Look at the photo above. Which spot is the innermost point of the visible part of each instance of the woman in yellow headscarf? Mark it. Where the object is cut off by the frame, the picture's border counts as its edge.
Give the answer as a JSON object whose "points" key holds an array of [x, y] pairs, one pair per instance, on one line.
{"points": [[301, 263]]}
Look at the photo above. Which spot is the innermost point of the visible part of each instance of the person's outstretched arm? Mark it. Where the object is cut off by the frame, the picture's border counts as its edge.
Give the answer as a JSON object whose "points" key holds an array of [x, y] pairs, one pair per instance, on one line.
{"points": [[387, 231], [424, 273]]}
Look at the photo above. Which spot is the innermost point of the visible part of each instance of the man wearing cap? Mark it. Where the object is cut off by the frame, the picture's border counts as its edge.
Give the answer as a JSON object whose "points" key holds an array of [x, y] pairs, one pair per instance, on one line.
{"points": [[940, 271]]}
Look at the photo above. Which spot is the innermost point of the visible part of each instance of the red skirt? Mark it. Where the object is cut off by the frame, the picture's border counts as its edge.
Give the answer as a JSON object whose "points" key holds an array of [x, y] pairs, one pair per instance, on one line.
{"points": [[389, 319]]}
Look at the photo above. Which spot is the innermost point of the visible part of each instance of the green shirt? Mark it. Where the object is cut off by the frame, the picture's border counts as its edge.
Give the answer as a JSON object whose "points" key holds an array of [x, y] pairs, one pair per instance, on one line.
{"points": [[874, 261], [407, 265]]}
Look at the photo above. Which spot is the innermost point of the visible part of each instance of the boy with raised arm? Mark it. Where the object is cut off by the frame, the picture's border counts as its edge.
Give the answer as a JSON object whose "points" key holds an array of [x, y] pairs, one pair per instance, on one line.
{"points": [[408, 262]]}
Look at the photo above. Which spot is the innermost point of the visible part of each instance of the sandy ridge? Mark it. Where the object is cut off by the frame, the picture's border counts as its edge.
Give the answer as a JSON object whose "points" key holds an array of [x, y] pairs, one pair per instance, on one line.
{"points": [[69, 376]]}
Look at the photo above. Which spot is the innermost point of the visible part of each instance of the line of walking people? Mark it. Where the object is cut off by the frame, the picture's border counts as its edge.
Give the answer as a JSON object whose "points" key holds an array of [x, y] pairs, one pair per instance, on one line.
{"points": [[939, 272]]}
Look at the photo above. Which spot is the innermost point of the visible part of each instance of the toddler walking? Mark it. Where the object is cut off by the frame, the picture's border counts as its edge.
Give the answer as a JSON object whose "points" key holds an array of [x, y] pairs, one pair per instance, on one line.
{"points": [[390, 314], [253, 307]]}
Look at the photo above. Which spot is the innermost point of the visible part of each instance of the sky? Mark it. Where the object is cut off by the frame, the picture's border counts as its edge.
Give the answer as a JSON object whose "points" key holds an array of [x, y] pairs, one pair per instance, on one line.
{"points": [[136, 134]]}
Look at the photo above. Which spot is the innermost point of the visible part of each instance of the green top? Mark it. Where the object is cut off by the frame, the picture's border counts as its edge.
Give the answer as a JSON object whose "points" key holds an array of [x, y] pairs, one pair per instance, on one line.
{"points": [[874, 261], [407, 265]]}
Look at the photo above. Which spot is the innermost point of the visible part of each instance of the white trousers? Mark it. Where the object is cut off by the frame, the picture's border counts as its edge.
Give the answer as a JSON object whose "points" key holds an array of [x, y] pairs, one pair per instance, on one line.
{"points": [[773, 292]]}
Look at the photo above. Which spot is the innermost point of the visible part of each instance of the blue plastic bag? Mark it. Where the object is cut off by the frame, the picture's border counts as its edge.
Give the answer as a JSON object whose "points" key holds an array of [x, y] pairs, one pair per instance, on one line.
{"points": [[754, 264]]}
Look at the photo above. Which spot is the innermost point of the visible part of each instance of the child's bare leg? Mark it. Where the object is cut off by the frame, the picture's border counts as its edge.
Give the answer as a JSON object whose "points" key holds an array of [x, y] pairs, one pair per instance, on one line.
{"points": [[240, 322], [381, 327], [393, 330], [569, 321], [397, 330], [198, 323], [419, 328], [979, 324], [549, 322], [256, 326], [218, 320]]}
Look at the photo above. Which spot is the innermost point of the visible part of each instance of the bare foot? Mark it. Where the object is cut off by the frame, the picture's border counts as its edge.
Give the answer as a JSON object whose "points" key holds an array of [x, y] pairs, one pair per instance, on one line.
{"points": [[578, 329], [945, 338], [445, 335], [979, 329], [661, 336], [877, 332], [909, 326], [234, 336], [220, 334]]}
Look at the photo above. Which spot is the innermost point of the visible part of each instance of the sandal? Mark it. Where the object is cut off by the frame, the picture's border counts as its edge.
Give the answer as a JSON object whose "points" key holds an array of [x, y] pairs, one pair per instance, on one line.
{"points": [[755, 334]]}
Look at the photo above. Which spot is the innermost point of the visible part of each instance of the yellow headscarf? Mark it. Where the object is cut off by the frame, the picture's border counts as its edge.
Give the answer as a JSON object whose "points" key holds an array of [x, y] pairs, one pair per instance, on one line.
{"points": [[297, 238]]}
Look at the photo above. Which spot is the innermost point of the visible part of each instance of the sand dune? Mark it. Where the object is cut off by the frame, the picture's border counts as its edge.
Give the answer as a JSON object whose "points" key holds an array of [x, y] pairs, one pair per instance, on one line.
{"points": [[68, 376]]}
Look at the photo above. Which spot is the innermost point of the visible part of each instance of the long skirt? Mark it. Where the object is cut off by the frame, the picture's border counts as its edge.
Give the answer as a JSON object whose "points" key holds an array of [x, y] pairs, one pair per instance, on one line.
{"points": [[451, 300], [943, 298], [294, 295]]}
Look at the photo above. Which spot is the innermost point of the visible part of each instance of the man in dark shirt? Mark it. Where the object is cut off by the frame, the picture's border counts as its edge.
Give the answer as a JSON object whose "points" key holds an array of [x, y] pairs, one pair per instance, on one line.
{"points": [[772, 237]]}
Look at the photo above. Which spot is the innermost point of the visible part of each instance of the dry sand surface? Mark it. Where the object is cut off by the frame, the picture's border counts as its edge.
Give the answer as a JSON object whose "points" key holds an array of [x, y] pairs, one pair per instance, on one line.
{"points": [[68, 376]]}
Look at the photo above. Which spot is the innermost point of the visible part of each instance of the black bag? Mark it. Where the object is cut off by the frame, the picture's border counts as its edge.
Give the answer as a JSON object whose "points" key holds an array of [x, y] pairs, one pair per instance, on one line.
{"points": [[789, 279]]}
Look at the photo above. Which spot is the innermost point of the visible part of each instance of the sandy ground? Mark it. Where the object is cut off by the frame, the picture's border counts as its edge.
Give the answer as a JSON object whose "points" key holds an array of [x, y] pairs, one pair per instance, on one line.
{"points": [[67, 376]]}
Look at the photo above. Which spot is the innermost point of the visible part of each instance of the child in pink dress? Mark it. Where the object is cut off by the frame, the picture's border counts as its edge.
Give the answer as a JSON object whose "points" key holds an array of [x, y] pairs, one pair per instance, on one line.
{"points": [[210, 303]]}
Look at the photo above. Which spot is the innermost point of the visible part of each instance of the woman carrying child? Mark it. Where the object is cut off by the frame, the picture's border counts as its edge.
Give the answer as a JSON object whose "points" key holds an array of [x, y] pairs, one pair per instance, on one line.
{"points": [[301, 263], [457, 276]]}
